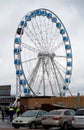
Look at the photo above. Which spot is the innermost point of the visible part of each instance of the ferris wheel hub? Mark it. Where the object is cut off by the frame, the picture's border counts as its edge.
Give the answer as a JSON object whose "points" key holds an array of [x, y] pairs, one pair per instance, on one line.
{"points": [[40, 55]]}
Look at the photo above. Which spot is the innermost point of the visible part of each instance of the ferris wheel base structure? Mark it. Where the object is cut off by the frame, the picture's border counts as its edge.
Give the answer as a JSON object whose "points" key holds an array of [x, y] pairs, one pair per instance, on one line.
{"points": [[42, 55]]}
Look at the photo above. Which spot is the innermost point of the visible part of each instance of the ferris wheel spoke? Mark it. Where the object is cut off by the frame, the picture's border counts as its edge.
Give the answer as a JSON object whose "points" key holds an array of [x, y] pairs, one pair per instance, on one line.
{"points": [[37, 38], [30, 48], [29, 60], [39, 86], [58, 71], [33, 36], [57, 91], [59, 56], [46, 42], [33, 40], [62, 78], [46, 30], [61, 67], [56, 76], [57, 46], [56, 35], [34, 72], [51, 38], [40, 31], [49, 80], [46, 71]]}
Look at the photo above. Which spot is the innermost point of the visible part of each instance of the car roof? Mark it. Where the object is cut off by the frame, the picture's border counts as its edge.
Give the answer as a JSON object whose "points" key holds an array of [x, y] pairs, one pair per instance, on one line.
{"points": [[61, 109], [80, 109]]}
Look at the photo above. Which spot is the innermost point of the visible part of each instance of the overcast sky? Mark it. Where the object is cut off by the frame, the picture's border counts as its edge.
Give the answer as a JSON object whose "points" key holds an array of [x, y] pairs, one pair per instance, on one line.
{"points": [[71, 12]]}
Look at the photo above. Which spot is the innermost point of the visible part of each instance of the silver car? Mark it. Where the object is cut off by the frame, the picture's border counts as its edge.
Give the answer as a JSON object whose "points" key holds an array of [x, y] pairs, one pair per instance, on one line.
{"points": [[58, 118], [30, 118], [78, 119]]}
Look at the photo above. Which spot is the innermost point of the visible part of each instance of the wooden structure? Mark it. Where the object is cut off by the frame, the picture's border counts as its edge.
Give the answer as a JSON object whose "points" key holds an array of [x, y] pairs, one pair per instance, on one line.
{"points": [[38, 102]]}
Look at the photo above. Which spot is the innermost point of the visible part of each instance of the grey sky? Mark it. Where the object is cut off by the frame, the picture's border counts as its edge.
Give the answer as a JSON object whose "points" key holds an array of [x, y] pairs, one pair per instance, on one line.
{"points": [[71, 12]]}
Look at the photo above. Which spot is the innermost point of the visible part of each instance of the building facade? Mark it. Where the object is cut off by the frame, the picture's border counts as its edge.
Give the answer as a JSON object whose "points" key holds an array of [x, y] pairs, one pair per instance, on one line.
{"points": [[5, 95], [5, 90]]}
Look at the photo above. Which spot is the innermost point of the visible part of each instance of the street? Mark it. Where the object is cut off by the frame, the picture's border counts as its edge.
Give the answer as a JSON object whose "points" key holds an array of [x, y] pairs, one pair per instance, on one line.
{"points": [[4, 125]]}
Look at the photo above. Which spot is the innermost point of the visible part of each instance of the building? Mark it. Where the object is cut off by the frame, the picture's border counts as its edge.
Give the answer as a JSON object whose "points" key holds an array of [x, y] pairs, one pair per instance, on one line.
{"points": [[5, 90], [5, 95], [51, 102]]}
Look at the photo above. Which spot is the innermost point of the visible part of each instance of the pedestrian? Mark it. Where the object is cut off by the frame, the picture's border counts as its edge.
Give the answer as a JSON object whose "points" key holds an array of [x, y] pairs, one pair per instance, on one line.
{"points": [[11, 113], [18, 111], [7, 115], [22, 109], [3, 114]]}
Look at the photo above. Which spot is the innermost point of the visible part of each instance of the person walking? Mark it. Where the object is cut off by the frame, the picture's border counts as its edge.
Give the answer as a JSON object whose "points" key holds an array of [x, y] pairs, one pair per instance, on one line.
{"points": [[7, 115], [3, 114], [18, 111], [11, 113]]}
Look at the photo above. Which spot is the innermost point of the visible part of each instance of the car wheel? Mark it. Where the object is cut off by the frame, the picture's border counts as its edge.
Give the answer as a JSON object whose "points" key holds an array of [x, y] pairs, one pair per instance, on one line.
{"points": [[33, 125], [46, 127], [16, 127], [65, 126]]}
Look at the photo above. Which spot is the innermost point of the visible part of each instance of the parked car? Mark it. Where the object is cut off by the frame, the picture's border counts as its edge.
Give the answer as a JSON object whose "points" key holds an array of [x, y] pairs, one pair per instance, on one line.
{"points": [[78, 119], [30, 118], [58, 118]]}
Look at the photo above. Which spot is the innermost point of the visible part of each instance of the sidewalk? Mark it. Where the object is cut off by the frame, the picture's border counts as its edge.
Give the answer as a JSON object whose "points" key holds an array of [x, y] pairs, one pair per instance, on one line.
{"points": [[5, 123]]}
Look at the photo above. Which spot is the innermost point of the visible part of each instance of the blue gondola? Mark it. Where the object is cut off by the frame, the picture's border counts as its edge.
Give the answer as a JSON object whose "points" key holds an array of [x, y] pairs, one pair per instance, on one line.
{"points": [[28, 90], [33, 14], [58, 25], [69, 64], [16, 50], [69, 55], [44, 13], [65, 88], [68, 72], [28, 18], [25, 90], [65, 39], [39, 13], [19, 72], [17, 62], [17, 40], [49, 15], [62, 31], [67, 80], [67, 47], [54, 19], [22, 82], [23, 23]]}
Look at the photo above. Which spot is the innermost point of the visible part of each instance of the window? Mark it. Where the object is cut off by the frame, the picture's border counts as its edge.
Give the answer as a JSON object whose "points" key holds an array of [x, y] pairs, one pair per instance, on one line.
{"points": [[80, 112]]}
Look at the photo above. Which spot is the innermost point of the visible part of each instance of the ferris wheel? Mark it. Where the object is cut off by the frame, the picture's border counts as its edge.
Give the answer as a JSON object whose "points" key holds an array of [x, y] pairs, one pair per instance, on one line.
{"points": [[42, 55]]}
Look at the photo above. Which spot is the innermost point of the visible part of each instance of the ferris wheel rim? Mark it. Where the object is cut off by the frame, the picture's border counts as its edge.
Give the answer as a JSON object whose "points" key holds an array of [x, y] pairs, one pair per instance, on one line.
{"points": [[46, 53]]}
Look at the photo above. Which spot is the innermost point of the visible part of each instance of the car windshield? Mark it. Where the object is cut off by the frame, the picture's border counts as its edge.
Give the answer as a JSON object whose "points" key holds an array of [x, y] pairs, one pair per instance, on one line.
{"points": [[55, 112], [29, 113], [80, 112]]}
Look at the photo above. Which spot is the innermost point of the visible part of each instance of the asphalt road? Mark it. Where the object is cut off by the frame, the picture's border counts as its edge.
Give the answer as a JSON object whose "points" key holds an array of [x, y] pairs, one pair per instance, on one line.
{"points": [[19, 129], [4, 125]]}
